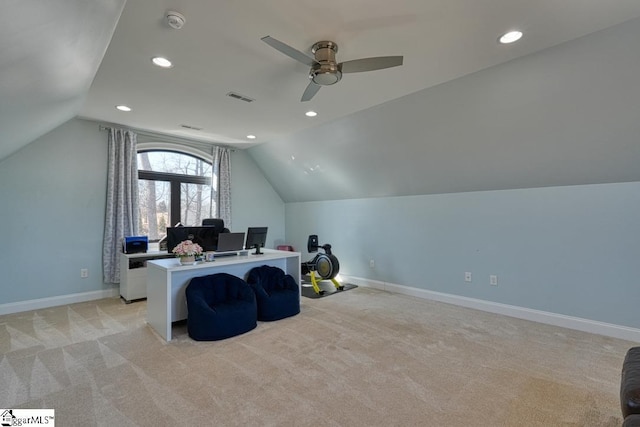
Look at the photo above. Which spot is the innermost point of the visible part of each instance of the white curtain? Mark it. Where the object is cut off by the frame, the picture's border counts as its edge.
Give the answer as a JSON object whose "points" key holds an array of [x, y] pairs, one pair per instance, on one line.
{"points": [[121, 216], [221, 193]]}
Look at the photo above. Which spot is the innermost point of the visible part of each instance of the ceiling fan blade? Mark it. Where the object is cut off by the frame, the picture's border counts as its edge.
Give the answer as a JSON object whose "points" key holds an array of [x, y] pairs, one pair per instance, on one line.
{"points": [[310, 92], [289, 51], [370, 64]]}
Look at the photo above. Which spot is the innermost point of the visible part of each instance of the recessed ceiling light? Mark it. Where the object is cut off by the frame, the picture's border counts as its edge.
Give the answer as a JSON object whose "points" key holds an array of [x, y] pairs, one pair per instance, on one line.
{"points": [[162, 62], [251, 137], [123, 108], [510, 37], [310, 114]]}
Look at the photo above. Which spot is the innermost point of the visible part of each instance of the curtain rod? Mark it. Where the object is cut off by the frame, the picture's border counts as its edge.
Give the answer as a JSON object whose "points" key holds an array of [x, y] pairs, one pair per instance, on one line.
{"points": [[169, 138]]}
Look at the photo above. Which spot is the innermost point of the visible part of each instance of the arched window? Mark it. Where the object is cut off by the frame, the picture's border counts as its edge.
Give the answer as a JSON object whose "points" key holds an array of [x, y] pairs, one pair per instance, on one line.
{"points": [[174, 187]]}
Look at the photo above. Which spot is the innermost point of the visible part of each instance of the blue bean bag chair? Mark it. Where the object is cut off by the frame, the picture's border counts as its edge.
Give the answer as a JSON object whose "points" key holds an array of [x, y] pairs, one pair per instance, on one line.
{"points": [[277, 293], [219, 306]]}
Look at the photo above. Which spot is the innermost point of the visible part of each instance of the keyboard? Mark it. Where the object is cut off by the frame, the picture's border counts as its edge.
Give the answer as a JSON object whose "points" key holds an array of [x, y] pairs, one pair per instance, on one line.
{"points": [[224, 254]]}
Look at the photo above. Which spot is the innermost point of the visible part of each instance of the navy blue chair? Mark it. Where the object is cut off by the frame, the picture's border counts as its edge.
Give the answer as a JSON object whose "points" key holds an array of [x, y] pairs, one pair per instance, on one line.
{"points": [[277, 293], [219, 306]]}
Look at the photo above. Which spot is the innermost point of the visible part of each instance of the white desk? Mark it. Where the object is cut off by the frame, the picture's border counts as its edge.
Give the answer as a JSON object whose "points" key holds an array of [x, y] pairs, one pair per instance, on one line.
{"points": [[167, 281]]}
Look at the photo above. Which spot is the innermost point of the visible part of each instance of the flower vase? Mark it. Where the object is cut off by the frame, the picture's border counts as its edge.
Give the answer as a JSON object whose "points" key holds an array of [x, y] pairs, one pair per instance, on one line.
{"points": [[188, 260]]}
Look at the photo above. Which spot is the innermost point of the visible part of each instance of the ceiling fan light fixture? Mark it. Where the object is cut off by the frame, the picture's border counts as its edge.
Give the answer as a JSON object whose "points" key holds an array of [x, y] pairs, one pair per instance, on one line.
{"points": [[310, 114], [510, 37], [327, 78], [251, 137], [325, 72], [123, 108]]}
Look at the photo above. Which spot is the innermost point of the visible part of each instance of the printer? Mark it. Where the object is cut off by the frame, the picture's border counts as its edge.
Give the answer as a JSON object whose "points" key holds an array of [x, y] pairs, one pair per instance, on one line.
{"points": [[135, 244]]}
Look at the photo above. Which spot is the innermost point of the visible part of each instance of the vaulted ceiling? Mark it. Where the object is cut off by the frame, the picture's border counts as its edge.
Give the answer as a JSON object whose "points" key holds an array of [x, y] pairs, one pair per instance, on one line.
{"points": [[49, 54], [77, 58], [567, 115]]}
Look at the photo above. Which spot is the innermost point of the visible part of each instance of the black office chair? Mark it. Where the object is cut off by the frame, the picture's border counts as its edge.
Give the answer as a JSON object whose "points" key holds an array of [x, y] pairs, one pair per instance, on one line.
{"points": [[215, 222]]}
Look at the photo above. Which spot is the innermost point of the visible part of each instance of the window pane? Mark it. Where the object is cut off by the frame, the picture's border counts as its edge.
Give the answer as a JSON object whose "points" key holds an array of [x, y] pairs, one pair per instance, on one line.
{"points": [[174, 187], [194, 203], [154, 200], [171, 162]]}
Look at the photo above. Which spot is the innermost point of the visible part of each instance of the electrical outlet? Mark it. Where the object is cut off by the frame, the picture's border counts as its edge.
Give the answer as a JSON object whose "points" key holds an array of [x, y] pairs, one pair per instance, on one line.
{"points": [[493, 280], [467, 276], [84, 273], [372, 264]]}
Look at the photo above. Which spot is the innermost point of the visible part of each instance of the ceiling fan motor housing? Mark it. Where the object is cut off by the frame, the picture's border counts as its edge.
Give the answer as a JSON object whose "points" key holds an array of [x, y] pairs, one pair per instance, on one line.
{"points": [[326, 72]]}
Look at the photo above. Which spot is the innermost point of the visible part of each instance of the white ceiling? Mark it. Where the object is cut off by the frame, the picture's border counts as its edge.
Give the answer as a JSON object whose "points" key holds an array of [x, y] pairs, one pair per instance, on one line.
{"points": [[51, 52], [219, 50]]}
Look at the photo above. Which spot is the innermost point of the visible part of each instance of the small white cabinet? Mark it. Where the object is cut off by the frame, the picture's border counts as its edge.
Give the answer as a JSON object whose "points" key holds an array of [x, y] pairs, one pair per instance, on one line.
{"points": [[133, 274]]}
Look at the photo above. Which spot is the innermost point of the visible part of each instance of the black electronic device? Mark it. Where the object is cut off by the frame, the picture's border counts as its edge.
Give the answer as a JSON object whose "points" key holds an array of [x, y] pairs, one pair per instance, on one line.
{"points": [[135, 244], [229, 244], [206, 237], [256, 238]]}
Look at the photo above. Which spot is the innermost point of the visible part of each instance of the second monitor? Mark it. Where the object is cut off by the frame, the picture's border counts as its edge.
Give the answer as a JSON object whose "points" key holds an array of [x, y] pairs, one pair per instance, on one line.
{"points": [[256, 238]]}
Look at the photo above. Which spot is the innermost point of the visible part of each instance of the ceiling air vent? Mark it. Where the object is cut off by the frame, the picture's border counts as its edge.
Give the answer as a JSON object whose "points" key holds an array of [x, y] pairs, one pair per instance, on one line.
{"points": [[190, 127], [240, 97]]}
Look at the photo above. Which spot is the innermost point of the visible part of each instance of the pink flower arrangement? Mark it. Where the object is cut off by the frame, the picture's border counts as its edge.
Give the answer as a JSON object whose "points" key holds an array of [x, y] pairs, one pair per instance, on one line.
{"points": [[187, 248]]}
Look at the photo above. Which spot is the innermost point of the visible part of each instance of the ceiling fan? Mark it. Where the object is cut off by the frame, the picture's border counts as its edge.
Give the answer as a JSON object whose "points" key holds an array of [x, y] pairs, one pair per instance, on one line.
{"points": [[325, 70]]}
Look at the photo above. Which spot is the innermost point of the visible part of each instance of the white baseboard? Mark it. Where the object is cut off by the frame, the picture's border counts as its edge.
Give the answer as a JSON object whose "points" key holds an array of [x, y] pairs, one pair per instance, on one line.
{"points": [[570, 322], [36, 304]]}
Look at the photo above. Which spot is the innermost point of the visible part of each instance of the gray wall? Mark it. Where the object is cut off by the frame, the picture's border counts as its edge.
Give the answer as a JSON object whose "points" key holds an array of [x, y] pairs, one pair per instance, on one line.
{"points": [[254, 202], [52, 214], [52, 206], [569, 250]]}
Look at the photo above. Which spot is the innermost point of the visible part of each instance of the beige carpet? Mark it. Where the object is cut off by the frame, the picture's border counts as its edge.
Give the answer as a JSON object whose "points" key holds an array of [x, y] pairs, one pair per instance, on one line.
{"points": [[362, 358]]}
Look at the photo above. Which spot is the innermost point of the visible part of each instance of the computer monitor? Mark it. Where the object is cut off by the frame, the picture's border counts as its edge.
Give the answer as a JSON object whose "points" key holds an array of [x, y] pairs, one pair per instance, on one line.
{"points": [[206, 236], [256, 238]]}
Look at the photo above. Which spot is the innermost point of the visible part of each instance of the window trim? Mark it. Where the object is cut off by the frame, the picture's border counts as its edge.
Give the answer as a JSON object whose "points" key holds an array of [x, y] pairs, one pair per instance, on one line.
{"points": [[207, 156], [165, 176]]}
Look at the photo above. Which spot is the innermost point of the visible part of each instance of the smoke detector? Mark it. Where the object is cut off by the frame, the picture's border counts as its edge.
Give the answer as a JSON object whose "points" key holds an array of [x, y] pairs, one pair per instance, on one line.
{"points": [[175, 20]]}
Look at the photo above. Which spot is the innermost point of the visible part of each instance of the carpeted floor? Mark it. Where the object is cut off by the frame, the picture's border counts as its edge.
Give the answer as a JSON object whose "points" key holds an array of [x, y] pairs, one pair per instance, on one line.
{"points": [[361, 358]]}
